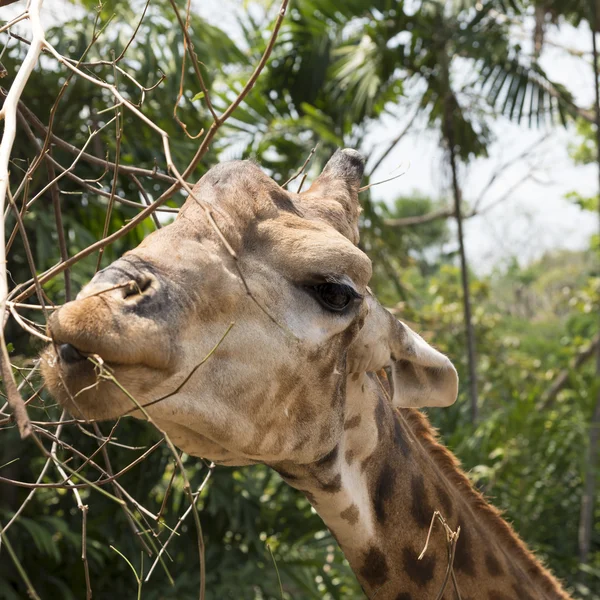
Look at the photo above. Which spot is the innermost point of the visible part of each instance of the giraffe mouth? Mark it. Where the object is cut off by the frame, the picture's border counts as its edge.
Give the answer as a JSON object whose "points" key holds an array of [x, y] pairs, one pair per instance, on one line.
{"points": [[69, 354], [73, 358], [89, 386]]}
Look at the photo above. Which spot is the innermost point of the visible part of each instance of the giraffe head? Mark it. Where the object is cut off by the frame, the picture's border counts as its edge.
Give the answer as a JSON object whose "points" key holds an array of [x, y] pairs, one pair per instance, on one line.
{"points": [[295, 287]]}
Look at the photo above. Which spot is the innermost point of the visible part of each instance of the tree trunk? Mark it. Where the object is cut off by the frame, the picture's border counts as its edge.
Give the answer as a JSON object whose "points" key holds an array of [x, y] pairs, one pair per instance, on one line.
{"points": [[586, 515], [448, 132], [464, 274]]}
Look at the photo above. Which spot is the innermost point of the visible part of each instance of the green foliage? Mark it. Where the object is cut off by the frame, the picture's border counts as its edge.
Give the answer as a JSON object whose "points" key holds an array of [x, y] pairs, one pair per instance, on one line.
{"points": [[340, 67], [584, 153]]}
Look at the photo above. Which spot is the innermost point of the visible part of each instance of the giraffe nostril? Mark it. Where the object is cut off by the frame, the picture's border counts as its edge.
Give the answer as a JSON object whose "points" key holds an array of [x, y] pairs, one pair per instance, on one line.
{"points": [[137, 286]]}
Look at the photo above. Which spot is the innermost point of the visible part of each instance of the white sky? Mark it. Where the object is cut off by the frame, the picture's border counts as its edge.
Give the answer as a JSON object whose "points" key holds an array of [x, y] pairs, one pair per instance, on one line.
{"points": [[535, 217]]}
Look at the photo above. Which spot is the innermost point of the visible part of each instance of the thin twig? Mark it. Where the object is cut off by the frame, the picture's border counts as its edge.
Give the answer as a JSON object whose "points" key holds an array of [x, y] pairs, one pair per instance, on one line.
{"points": [[86, 568], [113, 191], [506, 165], [21, 17], [104, 374], [451, 540], [185, 28], [135, 32], [163, 504], [30, 589], [301, 169], [46, 143], [116, 489], [64, 171], [90, 158], [204, 146], [189, 44], [60, 230], [191, 373], [145, 199], [20, 320], [395, 141], [39, 479], [180, 521], [370, 185], [301, 183], [83, 508]]}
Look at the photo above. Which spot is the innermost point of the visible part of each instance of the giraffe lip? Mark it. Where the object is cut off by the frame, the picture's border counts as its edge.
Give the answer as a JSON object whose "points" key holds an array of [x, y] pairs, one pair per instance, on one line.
{"points": [[69, 354]]}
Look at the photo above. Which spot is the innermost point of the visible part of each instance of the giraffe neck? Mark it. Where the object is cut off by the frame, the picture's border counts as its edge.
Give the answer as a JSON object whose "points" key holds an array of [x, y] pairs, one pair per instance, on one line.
{"points": [[377, 492]]}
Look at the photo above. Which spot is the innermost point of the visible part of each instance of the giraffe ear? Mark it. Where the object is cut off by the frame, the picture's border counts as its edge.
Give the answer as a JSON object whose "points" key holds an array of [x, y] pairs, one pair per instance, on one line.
{"points": [[422, 376]]}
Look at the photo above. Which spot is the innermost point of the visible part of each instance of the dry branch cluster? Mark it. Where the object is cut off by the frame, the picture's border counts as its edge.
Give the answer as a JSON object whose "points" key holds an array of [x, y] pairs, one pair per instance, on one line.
{"points": [[94, 471]]}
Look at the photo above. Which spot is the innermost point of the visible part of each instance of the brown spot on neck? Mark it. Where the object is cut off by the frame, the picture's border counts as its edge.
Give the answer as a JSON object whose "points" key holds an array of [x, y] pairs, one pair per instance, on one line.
{"points": [[421, 510], [421, 571], [384, 490], [349, 456], [400, 438], [333, 485], [463, 555], [350, 514], [493, 565], [375, 569], [352, 422]]}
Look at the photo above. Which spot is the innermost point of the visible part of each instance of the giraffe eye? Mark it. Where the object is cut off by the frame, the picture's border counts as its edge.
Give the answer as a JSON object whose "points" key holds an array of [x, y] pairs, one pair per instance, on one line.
{"points": [[335, 296]]}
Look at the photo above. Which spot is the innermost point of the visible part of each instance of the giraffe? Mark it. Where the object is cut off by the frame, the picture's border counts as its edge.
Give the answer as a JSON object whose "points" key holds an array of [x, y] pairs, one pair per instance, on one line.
{"points": [[292, 383]]}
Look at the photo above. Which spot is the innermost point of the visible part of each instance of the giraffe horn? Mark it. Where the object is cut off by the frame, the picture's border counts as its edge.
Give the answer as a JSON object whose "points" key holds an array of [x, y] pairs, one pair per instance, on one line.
{"points": [[337, 188]]}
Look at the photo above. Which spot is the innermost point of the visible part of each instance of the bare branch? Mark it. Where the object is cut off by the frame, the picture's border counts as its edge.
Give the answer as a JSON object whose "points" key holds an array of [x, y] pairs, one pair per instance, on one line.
{"points": [[9, 114], [21, 17], [90, 158], [12, 395], [506, 165], [395, 141], [180, 521], [187, 44]]}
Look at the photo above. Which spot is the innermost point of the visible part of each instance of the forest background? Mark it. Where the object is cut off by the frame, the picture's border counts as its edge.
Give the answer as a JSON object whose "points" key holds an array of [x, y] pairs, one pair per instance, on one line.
{"points": [[488, 244]]}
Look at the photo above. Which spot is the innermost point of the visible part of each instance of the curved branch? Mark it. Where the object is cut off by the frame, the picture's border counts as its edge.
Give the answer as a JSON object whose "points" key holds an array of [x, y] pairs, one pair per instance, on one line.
{"points": [[9, 114], [396, 140]]}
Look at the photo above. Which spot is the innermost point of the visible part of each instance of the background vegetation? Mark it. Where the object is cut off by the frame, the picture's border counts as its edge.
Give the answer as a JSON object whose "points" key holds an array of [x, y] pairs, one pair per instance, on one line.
{"points": [[523, 336]]}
